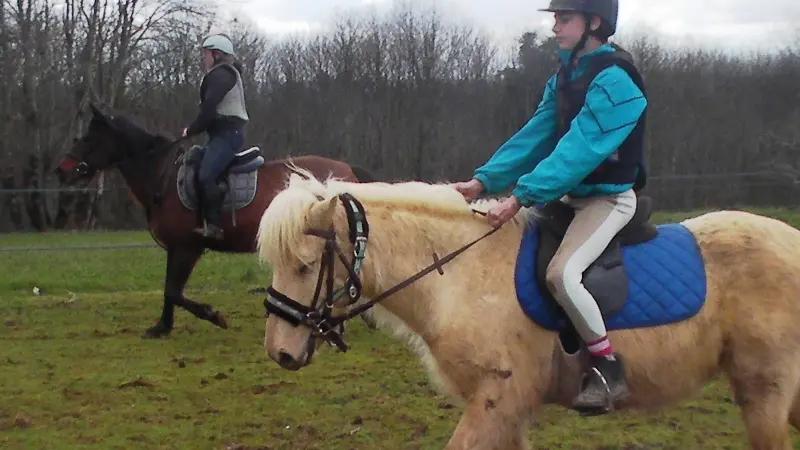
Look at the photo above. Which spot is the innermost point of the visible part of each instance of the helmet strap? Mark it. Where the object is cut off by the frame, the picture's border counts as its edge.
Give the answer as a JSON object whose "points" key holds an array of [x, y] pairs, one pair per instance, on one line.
{"points": [[580, 45], [216, 55]]}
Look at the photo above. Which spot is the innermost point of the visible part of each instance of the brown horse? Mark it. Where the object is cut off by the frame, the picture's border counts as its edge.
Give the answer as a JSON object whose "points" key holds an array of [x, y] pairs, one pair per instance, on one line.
{"points": [[160, 176], [714, 294]]}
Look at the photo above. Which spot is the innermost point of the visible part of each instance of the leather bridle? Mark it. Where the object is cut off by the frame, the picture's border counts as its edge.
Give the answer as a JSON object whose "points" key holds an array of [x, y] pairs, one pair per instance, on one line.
{"points": [[83, 169], [318, 317]]}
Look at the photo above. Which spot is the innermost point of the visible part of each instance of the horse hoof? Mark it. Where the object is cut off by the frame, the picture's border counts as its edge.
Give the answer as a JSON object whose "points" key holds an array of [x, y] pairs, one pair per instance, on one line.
{"points": [[219, 320], [156, 332]]}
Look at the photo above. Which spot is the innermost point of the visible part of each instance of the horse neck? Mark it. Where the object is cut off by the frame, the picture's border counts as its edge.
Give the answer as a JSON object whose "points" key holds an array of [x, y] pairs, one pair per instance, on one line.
{"points": [[397, 249], [145, 174]]}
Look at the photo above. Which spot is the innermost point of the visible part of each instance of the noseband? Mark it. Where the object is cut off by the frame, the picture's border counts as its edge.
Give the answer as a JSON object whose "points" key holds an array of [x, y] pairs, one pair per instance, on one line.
{"points": [[317, 317]]}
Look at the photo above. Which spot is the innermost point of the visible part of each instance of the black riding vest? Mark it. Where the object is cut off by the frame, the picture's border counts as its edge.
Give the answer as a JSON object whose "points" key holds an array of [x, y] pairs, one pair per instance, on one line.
{"points": [[570, 98]]}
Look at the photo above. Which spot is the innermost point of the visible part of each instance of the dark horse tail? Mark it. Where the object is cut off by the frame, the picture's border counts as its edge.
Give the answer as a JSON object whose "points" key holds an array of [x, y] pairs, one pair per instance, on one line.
{"points": [[363, 175]]}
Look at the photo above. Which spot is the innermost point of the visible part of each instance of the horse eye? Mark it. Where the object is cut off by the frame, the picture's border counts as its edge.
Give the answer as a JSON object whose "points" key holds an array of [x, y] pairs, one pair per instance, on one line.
{"points": [[303, 269]]}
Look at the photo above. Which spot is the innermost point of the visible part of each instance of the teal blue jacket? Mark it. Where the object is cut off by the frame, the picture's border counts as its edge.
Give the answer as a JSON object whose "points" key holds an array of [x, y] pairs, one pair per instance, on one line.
{"points": [[545, 168]]}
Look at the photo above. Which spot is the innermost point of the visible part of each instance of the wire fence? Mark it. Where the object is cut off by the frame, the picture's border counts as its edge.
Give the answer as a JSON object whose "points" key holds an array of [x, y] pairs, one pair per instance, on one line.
{"points": [[683, 191], [49, 248]]}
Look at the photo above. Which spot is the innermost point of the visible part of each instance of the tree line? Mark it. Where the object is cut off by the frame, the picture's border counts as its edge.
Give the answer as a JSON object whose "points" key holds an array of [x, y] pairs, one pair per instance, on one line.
{"points": [[408, 94]]}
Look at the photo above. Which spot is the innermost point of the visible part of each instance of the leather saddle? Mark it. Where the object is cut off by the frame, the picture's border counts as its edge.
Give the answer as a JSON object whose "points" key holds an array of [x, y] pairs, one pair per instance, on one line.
{"points": [[605, 279]]}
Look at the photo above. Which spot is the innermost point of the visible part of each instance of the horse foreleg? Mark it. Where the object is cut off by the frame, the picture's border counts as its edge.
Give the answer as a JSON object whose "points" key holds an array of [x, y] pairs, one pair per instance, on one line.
{"points": [[180, 264], [184, 265], [492, 421]]}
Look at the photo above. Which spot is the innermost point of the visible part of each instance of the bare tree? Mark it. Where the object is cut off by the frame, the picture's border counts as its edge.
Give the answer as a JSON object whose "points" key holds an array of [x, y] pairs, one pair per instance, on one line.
{"points": [[408, 94]]}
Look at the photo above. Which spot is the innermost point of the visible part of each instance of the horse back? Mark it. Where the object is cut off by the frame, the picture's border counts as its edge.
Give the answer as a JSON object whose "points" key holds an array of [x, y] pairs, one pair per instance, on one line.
{"points": [[320, 166]]}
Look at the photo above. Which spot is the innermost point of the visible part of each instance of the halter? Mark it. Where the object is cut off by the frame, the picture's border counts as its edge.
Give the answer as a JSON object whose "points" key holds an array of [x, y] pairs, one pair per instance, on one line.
{"points": [[318, 316]]}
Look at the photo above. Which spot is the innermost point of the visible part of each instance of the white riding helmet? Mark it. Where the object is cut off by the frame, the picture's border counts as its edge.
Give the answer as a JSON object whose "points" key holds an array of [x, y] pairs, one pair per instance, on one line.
{"points": [[219, 42]]}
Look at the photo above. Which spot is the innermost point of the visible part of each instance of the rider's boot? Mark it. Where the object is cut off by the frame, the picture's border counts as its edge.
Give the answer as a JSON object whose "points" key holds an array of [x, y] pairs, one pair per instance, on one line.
{"points": [[212, 204], [604, 385]]}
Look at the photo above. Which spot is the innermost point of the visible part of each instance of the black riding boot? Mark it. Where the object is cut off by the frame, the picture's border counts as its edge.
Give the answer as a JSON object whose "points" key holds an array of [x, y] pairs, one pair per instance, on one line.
{"points": [[604, 385], [212, 199]]}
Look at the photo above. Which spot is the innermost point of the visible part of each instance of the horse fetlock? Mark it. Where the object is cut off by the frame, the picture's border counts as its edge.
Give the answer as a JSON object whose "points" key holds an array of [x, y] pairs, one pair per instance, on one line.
{"points": [[218, 319], [158, 330]]}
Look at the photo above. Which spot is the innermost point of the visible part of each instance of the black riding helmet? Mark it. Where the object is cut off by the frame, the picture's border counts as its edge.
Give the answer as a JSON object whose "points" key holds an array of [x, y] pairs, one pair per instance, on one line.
{"points": [[607, 10]]}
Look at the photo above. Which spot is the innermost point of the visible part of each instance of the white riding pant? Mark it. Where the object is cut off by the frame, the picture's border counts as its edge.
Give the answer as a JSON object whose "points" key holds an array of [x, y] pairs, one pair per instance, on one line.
{"points": [[597, 220]]}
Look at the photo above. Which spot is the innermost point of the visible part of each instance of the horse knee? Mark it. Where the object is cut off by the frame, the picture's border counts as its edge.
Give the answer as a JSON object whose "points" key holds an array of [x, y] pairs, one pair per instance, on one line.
{"points": [[495, 418]]}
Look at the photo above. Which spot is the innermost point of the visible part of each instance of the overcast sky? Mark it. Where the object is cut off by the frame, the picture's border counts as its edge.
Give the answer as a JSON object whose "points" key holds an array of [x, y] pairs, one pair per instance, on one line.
{"points": [[728, 24]]}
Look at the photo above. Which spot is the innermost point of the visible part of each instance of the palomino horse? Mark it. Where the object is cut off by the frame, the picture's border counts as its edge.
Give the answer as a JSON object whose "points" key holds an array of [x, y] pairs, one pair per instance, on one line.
{"points": [[715, 293], [162, 181]]}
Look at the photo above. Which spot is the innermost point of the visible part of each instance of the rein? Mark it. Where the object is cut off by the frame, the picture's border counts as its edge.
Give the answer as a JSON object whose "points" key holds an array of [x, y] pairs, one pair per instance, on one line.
{"points": [[84, 169], [318, 316]]}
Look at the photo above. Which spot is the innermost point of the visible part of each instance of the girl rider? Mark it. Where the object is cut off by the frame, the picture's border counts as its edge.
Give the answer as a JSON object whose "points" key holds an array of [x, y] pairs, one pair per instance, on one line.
{"points": [[583, 145], [222, 115]]}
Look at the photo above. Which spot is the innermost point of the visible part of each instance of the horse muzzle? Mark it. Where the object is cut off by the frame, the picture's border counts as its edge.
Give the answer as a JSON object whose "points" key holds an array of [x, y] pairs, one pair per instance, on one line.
{"points": [[289, 362], [69, 170]]}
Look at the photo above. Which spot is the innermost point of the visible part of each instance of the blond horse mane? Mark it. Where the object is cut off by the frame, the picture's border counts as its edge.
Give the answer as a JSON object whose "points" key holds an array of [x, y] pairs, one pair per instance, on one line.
{"points": [[282, 225]]}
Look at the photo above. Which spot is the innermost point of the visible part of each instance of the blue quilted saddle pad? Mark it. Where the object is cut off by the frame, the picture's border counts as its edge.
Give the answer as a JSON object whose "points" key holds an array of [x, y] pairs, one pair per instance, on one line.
{"points": [[666, 281]]}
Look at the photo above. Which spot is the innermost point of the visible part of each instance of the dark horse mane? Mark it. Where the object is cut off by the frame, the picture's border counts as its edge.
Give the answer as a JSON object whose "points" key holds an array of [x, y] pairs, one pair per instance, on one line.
{"points": [[147, 154], [137, 137]]}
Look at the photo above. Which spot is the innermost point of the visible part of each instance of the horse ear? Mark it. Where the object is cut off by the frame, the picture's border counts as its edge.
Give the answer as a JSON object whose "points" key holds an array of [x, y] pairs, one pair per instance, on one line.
{"points": [[321, 214], [96, 112]]}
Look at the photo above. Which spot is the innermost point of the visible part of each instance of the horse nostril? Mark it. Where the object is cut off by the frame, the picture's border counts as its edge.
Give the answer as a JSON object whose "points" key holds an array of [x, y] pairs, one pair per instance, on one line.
{"points": [[285, 359]]}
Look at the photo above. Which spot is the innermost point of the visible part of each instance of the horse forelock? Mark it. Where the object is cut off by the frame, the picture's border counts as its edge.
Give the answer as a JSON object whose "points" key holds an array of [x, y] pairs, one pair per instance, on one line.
{"points": [[283, 224]]}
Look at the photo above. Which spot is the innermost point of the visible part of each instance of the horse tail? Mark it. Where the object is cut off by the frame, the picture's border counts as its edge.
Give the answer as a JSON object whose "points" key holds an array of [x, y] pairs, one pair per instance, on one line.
{"points": [[363, 175]]}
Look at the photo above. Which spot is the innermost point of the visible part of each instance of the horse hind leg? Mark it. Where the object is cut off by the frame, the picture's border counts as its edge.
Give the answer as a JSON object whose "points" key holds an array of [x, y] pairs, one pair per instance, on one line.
{"points": [[768, 402]]}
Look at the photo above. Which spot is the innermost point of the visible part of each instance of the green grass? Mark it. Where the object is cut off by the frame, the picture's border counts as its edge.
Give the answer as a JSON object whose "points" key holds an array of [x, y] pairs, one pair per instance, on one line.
{"points": [[75, 374], [131, 269]]}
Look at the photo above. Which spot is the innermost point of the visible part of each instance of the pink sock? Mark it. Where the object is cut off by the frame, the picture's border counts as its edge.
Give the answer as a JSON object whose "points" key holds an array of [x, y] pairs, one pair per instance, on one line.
{"points": [[600, 347]]}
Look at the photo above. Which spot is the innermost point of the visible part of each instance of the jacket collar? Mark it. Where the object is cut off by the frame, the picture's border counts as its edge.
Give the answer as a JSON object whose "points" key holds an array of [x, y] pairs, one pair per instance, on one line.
{"points": [[583, 60]]}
